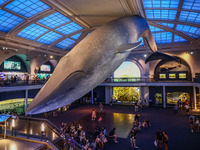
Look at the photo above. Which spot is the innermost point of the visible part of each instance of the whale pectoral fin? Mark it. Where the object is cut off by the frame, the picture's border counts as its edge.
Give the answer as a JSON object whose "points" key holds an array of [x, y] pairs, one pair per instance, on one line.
{"points": [[158, 55], [127, 47]]}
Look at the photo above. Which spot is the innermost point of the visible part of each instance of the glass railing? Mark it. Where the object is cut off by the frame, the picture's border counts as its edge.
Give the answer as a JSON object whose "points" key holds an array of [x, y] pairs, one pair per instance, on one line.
{"points": [[42, 129]]}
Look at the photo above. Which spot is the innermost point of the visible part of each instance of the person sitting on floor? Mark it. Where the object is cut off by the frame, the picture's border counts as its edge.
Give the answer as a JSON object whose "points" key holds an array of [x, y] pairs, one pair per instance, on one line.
{"points": [[113, 134]]}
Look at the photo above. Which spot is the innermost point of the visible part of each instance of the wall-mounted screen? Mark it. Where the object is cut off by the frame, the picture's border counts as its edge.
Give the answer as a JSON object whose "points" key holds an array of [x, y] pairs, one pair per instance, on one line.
{"points": [[172, 75], [12, 65], [182, 75], [45, 68], [162, 76]]}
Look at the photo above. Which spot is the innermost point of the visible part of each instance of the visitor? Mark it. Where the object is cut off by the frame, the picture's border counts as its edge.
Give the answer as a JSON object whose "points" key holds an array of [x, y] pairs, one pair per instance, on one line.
{"points": [[94, 114], [136, 118], [133, 135], [175, 109], [111, 101], [156, 103], [179, 104], [187, 108], [136, 106], [113, 134], [4, 79], [141, 102], [100, 108], [165, 140], [197, 124], [103, 129], [191, 119], [159, 138]]}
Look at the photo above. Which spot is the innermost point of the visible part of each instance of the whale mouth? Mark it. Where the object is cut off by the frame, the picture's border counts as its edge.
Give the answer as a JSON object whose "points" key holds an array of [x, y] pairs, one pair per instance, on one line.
{"points": [[68, 84]]}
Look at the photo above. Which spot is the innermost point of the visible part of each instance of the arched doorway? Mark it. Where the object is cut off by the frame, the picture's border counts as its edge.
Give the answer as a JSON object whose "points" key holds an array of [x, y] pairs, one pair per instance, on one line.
{"points": [[127, 72]]}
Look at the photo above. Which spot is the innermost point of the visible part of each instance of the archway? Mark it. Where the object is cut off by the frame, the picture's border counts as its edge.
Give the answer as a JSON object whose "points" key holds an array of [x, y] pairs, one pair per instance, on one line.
{"points": [[127, 72]]}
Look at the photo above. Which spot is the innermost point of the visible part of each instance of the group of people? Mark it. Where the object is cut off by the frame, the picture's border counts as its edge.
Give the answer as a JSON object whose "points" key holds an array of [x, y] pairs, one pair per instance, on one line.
{"points": [[137, 128], [89, 141], [161, 137], [194, 123]]}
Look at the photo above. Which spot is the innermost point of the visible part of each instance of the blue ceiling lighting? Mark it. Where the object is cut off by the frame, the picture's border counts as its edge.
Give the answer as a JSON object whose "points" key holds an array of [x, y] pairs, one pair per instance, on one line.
{"points": [[140, 40], [178, 39], [161, 14], [69, 28], [54, 20], [155, 29], [49, 38], [63, 44], [76, 36], [32, 32], [191, 4], [27, 8], [8, 21], [161, 3], [189, 16], [189, 30], [3, 1], [163, 37], [170, 25]]}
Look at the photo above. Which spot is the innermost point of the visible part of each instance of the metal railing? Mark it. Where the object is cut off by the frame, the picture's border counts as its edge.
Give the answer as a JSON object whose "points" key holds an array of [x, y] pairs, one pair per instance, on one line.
{"points": [[42, 129]]}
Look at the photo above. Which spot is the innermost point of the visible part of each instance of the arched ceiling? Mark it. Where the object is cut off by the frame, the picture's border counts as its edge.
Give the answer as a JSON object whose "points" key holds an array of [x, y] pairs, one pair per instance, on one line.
{"points": [[56, 26]]}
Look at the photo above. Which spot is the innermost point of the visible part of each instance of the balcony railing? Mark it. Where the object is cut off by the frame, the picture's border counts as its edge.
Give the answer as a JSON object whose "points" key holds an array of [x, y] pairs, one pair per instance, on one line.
{"points": [[41, 129]]}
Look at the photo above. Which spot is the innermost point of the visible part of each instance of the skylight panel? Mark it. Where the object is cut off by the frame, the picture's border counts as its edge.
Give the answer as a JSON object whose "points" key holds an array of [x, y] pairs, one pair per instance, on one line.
{"points": [[161, 3], [3, 1], [170, 25], [8, 21], [155, 29], [161, 14], [191, 4], [32, 32], [76, 36], [189, 16], [178, 39], [69, 28], [49, 38], [54, 20], [192, 35], [27, 8], [65, 43], [141, 39], [163, 37], [186, 28]]}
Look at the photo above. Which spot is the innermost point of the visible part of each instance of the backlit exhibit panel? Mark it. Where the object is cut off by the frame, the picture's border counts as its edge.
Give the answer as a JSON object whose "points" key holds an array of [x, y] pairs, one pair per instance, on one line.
{"points": [[182, 76], [172, 75], [4, 117], [162, 76], [45, 68], [12, 65], [126, 94], [173, 97]]}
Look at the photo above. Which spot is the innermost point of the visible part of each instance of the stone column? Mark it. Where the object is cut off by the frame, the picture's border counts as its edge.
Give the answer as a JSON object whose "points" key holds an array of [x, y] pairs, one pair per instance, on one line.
{"points": [[92, 95], [26, 101], [164, 98], [194, 97]]}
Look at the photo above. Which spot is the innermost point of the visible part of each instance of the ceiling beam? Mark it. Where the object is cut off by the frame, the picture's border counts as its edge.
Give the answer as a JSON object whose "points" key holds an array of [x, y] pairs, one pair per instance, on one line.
{"points": [[175, 22], [181, 34], [178, 12]]}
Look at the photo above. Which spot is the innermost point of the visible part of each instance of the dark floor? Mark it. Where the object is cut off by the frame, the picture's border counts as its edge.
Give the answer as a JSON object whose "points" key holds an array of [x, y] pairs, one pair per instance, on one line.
{"points": [[121, 117]]}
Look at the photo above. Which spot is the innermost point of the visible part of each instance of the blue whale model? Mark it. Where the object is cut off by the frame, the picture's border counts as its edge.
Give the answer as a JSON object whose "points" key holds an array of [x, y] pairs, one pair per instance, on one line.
{"points": [[90, 62]]}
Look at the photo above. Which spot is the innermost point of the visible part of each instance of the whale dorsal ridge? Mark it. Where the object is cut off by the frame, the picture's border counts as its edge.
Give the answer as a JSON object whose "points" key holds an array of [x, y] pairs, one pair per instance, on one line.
{"points": [[127, 47]]}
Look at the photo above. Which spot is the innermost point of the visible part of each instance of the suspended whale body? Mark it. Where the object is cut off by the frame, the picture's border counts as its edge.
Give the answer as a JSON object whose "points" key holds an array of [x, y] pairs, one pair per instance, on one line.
{"points": [[91, 61]]}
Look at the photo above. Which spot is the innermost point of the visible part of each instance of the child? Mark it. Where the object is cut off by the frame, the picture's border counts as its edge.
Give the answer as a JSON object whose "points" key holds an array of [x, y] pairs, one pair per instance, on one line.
{"points": [[94, 114]]}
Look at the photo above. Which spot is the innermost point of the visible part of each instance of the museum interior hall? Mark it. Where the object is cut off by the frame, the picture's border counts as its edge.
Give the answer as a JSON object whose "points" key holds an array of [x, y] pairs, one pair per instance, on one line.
{"points": [[96, 74]]}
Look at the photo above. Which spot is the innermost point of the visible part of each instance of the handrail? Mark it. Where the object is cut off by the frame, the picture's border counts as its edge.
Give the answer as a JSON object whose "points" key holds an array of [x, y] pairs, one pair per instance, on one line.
{"points": [[54, 129]]}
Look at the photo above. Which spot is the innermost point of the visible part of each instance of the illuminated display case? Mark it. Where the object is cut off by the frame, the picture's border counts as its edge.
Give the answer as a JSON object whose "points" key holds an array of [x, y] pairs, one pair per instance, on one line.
{"points": [[182, 76], [162, 76], [172, 75]]}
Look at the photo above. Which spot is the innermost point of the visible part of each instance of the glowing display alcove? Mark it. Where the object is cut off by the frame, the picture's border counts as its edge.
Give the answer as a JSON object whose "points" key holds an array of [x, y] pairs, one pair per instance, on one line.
{"points": [[126, 94]]}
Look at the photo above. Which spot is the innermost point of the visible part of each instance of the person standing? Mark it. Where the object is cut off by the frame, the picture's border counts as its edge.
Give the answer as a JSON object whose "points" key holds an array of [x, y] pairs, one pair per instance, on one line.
{"points": [[165, 140], [133, 135], [159, 138], [94, 114], [192, 119]]}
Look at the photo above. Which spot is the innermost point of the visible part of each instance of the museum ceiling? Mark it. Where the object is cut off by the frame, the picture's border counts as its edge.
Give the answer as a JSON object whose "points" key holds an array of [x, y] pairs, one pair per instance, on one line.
{"points": [[56, 26]]}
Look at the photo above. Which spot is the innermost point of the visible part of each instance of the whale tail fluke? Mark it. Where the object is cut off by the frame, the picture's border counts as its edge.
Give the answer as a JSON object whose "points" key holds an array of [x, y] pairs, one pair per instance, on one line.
{"points": [[158, 55]]}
